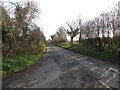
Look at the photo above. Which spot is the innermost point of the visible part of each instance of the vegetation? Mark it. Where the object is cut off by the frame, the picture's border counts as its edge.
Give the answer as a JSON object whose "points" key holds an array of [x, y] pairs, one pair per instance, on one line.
{"points": [[17, 63], [99, 37], [23, 42], [104, 55], [59, 36], [73, 32]]}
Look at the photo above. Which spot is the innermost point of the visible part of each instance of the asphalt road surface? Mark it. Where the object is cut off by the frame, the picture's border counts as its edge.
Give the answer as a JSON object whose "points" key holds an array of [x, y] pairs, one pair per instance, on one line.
{"points": [[60, 68]]}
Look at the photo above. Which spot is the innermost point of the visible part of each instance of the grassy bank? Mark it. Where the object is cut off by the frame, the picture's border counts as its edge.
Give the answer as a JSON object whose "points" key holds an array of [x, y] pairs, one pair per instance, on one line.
{"points": [[104, 55], [17, 63]]}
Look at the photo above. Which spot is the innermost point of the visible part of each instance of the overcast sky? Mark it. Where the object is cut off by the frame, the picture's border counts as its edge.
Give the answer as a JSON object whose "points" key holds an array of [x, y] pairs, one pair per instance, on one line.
{"points": [[55, 13]]}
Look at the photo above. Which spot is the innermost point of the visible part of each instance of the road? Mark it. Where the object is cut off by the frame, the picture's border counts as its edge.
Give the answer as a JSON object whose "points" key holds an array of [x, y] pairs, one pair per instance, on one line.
{"points": [[60, 68]]}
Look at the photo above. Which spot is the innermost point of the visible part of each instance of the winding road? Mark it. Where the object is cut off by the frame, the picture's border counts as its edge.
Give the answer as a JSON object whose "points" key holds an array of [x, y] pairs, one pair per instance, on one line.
{"points": [[60, 68]]}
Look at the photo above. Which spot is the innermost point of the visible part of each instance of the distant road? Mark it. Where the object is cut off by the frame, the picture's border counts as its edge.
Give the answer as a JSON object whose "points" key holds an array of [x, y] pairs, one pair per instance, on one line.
{"points": [[60, 68]]}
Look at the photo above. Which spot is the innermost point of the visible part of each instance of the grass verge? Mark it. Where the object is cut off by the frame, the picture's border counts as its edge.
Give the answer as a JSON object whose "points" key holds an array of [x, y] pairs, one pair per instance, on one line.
{"points": [[17, 63], [104, 55]]}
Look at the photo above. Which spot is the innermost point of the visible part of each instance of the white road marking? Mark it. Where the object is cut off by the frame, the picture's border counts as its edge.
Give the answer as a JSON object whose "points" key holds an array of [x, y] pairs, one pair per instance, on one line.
{"points": [[94, 68], [91, 63], [104, 84], [107, 75]]}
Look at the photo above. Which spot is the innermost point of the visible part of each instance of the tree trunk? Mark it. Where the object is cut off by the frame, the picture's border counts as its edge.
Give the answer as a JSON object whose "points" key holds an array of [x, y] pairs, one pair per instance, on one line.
{"points": [[80, 43], [72, 40]]}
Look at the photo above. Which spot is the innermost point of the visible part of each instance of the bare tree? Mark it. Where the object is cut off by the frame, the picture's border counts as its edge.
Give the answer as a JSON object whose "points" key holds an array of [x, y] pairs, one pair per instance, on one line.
{"points": [[97, 23], [73, 32], [62, 34], [24, 15], [80, 31]]}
